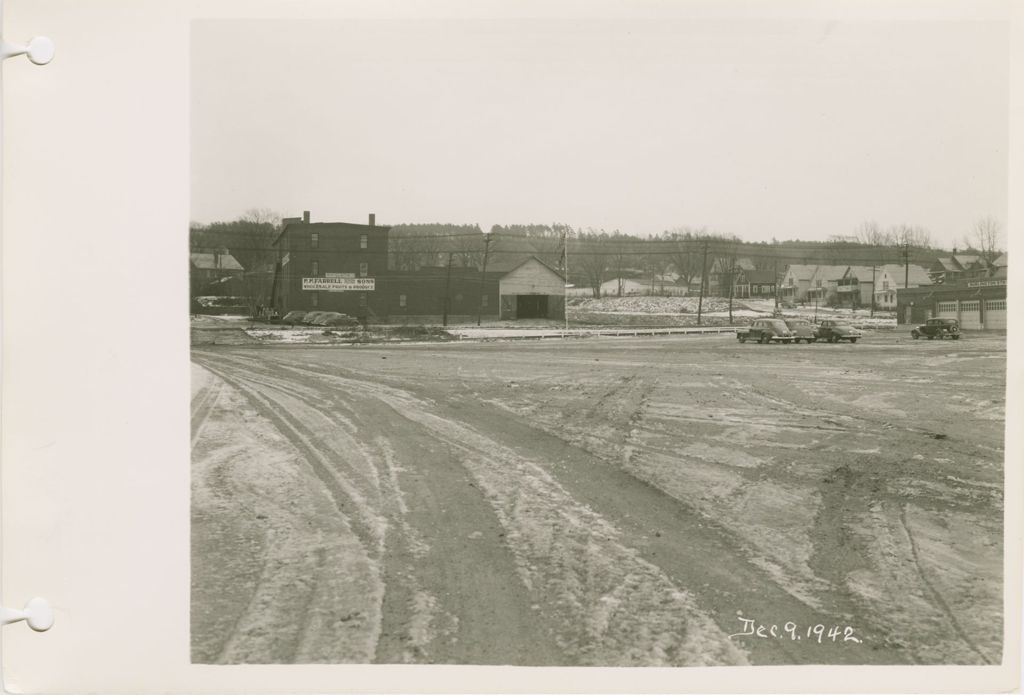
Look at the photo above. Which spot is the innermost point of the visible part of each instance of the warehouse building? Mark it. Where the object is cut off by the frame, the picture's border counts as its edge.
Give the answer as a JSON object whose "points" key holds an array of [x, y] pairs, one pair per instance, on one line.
{"points": [[330, 266], [438, 293], [343, 267]]}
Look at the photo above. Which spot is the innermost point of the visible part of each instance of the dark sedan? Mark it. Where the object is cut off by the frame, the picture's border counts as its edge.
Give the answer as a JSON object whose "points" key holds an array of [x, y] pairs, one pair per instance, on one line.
{"points": [[802, 330], [938, 328], [833, 331]]}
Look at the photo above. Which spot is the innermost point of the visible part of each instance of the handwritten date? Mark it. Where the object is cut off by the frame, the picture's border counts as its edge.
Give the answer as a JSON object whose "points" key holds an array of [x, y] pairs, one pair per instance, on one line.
{"points": [[813, 633]]}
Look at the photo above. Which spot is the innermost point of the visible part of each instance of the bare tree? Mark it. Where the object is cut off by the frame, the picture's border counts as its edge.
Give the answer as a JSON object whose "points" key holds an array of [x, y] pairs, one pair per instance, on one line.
{"points": [[469, 249], [655, 266], [591, 258], [871, 233], [261, 216], [910, 235], [685, 254], [985, 237]]}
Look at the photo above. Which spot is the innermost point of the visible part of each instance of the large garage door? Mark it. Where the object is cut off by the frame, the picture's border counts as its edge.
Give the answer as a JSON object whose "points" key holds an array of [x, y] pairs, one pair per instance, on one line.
{"points": [[970, 315], [532, 306], [945, 310], [995, 313]]}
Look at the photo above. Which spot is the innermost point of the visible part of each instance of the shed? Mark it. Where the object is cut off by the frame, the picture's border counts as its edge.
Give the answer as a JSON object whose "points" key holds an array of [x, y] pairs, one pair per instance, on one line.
{"points": [[532, 289]]}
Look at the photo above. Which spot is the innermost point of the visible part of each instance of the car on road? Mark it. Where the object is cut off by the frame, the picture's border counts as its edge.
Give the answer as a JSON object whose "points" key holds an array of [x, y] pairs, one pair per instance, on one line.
{"points": [[802, 330], [832, 331], [938, 328], [766, 331]]}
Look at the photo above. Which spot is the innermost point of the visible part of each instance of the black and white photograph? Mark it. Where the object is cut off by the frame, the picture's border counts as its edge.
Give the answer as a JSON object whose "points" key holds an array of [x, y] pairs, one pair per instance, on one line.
{"points": [[586, 341]]}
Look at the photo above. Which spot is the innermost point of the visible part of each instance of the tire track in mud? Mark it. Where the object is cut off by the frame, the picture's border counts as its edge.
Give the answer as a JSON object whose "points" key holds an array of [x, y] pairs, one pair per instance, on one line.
{"points": [[716, 539], [347, 499], [422, 601], [584, 477], [202, 405], [834, 511], [286, 605], [936, 595], [529, 502]]}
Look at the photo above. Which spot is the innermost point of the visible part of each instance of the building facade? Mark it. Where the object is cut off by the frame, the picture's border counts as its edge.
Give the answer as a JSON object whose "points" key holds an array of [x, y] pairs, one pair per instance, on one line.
{"points": [[532, 290], [978, 304], [892, 277], [213, 273], [315, 257], [437, 292], [796, 283]]}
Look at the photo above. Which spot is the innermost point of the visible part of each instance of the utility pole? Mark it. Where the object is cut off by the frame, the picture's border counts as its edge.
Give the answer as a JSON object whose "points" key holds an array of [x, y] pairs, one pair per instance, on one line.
{"points": [[483, 277], [872, 290], [775, 277], [565, 270], [447, 286], [906, 264], [703, 280], [732, 283]]}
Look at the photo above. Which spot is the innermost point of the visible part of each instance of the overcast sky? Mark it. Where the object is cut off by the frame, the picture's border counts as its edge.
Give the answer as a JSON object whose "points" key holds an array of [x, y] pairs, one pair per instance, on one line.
{"points": [[785, 129]]}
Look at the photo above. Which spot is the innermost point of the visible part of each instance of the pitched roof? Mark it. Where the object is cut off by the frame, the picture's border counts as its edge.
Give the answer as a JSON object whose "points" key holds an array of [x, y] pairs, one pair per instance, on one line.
{"points": [[946, 264], [863, 273], [211, 261], [503, 262], [801, 272], [966, 260], [830, 272], [1002, 261], [898, 273], [507, 266]]}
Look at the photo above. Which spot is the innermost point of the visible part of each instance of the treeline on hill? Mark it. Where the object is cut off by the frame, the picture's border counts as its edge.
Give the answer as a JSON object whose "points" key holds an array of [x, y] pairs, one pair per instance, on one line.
{"points": [[591, 256], [594, 256]]}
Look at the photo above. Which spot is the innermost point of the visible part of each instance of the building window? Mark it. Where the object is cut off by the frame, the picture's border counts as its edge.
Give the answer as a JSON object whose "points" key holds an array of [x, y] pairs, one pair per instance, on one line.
{"points": [[818, 283], [314, 299], [483, 301], [362, 299], [790, 282], [401, 301], [885, 284], [364, 269], [315, 270], [314, 240], [362, 241]]}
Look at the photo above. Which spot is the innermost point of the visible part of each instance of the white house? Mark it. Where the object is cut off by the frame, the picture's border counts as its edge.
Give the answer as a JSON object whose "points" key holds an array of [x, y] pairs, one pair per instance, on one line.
{"points": [[892, 277]]}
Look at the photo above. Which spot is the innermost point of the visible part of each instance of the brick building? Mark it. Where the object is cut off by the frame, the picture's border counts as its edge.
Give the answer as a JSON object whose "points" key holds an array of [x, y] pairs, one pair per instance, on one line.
{"points": [[313, 256], [978, 304]]}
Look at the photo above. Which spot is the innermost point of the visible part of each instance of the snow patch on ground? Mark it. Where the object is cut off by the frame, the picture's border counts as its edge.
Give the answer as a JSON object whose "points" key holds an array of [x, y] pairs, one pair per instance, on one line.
{"points": [[267, 542]]}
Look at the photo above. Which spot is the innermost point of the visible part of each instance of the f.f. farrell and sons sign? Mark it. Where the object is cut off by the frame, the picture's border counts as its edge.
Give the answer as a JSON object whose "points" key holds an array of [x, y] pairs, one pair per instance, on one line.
{"points": [[338, 284]]}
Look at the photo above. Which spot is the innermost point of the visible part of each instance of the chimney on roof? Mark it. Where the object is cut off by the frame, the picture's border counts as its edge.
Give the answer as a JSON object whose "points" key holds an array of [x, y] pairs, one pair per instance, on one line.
{"points": [[373, 219], [305, 217]]}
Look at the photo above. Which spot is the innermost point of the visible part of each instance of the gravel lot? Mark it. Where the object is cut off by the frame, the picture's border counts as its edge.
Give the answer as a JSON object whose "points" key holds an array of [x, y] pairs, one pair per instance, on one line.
{"points": [[609, 501]]}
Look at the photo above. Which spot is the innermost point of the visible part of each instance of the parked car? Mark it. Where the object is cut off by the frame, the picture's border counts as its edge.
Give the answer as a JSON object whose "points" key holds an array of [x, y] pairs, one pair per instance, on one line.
{"points": [[766, 331], [293, 317], [833, 331], [802, 330], [938, 328]]}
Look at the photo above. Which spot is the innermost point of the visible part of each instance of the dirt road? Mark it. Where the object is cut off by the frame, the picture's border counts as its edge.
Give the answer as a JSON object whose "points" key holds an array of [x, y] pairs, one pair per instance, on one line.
{"points": [[599, 502]]}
